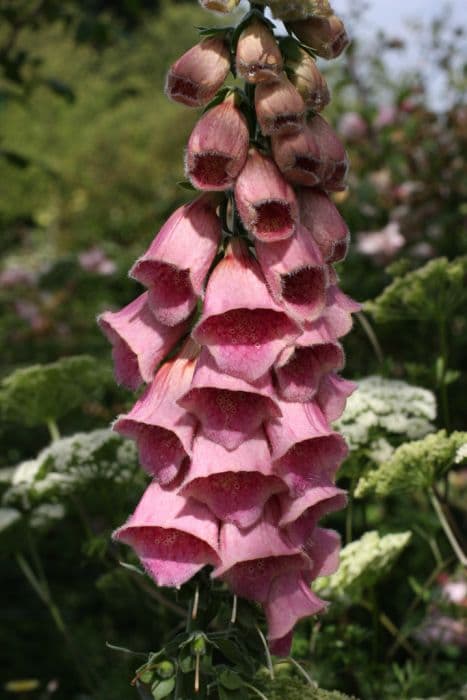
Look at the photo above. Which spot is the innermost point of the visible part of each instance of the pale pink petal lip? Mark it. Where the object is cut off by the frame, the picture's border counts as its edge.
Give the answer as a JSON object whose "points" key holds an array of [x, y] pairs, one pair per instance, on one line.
{"points": [[177, 262], [139, 341], [173, 537], [243, 328], [332, 395], [300, 371], [229, 409], [317, 501], [235, 484]]}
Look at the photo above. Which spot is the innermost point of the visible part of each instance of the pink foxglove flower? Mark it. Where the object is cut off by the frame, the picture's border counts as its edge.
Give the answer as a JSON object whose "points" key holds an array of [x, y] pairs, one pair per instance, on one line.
{"points": [[229, 409], [234, 484], [258, 55], [290, 599], [298, 157], [300, 369], [334, 162], [266, 203], [139, 341], [162, 429], [173, 537], [217, 148], [279, 107], [325, 35], [252, 558], [303, 445], [335, 321], [317, 501], [296, 275], [309, 81], [196, 77], [176, 263], [241, 325], [332, 395], [320, 216]]}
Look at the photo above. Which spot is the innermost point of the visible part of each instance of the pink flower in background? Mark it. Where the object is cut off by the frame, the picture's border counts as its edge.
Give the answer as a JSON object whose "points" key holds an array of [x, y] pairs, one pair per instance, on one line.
{"points": [[16, 276], [95, 260], [386, 116], [352, 126], [381, 245]]}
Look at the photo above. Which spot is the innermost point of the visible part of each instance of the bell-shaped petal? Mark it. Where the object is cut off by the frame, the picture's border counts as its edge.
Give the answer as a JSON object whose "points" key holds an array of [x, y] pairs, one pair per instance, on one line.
{"points": [[300, 370], [176, 263], [296, 275], [258, 55], [332, 395], [229, 409], [266, 203], [163, 430], [196, 77], [290, 599], [217, 148], [279, 107], [325, 35], [308, 80], [139, 341], [319, 500], [335, 321], [173, 537], [334, 162], [298, 157], [234, 484], [243, 328], [320, 216], [252, 558], [303, 446]]}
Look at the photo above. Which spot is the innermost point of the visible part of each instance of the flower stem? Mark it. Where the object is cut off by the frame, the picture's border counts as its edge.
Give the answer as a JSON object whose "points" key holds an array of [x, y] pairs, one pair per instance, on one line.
{"points": [[447, 528], [54, 432]]}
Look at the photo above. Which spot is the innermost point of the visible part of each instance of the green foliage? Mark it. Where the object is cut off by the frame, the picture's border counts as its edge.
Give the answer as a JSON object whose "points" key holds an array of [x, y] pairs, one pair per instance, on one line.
{"points": [[296, 689], [432, 292], [415, 465], [42, 393], [362, 564]]}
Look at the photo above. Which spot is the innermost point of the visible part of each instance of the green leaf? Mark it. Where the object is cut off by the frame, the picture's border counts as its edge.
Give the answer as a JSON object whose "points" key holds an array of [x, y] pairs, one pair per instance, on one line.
{"points": [[14, 158], [61, 89], [162, 689], [186, 185], [362, 564], [230, 680], [41, 393], [218, 99]]}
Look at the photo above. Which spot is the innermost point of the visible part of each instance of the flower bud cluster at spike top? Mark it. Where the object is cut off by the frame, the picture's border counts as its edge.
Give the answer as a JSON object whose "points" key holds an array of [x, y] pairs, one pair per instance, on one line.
{"points": [[235, 427]]}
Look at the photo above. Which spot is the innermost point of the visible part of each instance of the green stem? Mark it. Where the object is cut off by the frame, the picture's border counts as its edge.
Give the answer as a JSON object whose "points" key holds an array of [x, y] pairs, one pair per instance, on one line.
{"points": [[371, 335], [54, 432], [266, 652], [447, 528], [443, 342], [302, 672], [255, 690]]}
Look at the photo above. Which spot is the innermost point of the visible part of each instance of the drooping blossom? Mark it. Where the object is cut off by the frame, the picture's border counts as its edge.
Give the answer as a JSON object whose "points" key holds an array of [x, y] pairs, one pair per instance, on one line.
{"points": [[229, 408], [235, 484], [258, 57], [308, 80], [325, 35], [176, 263], [162, 429], [217, 148], [296, 275], [266, 203], [196, 77], [241, 325], [300, 369], [174, 537], [279, 107], [139, 341], [320, 216]]}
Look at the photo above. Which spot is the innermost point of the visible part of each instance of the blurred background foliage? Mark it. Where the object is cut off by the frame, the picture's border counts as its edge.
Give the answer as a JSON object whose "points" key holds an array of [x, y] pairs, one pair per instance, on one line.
{"points": [[90, 156]]}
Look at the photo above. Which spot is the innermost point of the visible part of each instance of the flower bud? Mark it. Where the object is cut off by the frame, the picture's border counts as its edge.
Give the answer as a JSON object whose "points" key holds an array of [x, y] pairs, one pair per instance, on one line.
{"points": [[195, 78], [265, 201], [222, 6], [279, 107], [325, 35], [217, 148], [258, 55], [309, 81], [300, 9]]}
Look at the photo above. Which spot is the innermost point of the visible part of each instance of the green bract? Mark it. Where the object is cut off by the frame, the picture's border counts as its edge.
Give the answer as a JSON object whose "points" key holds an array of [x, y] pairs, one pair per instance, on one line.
{"points": [[362, 563], [414, 465], [41, 393], [433, 291]]}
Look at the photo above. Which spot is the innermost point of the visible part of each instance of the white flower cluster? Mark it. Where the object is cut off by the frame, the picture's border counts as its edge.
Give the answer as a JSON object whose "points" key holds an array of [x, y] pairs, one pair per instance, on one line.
{"points": [[362, 563], [384, 408], [461, 454], [70, 464]]}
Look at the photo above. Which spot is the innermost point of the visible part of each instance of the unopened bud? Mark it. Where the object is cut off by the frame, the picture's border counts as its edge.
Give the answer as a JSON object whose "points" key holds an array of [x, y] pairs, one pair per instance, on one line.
{"points": [[279, 107], [222, 6], [309, 81], [258, 55], [165, 669], [325, 35], [195, 78], [198, 645]]}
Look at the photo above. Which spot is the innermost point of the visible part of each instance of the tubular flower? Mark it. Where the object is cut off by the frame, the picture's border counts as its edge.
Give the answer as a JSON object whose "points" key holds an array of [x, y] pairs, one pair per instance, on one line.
{"points": [[258, 56], [325, 35], [217, 148], [279, 107], [235, 426], [177, 262], [196, 77], [266, 203]]}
